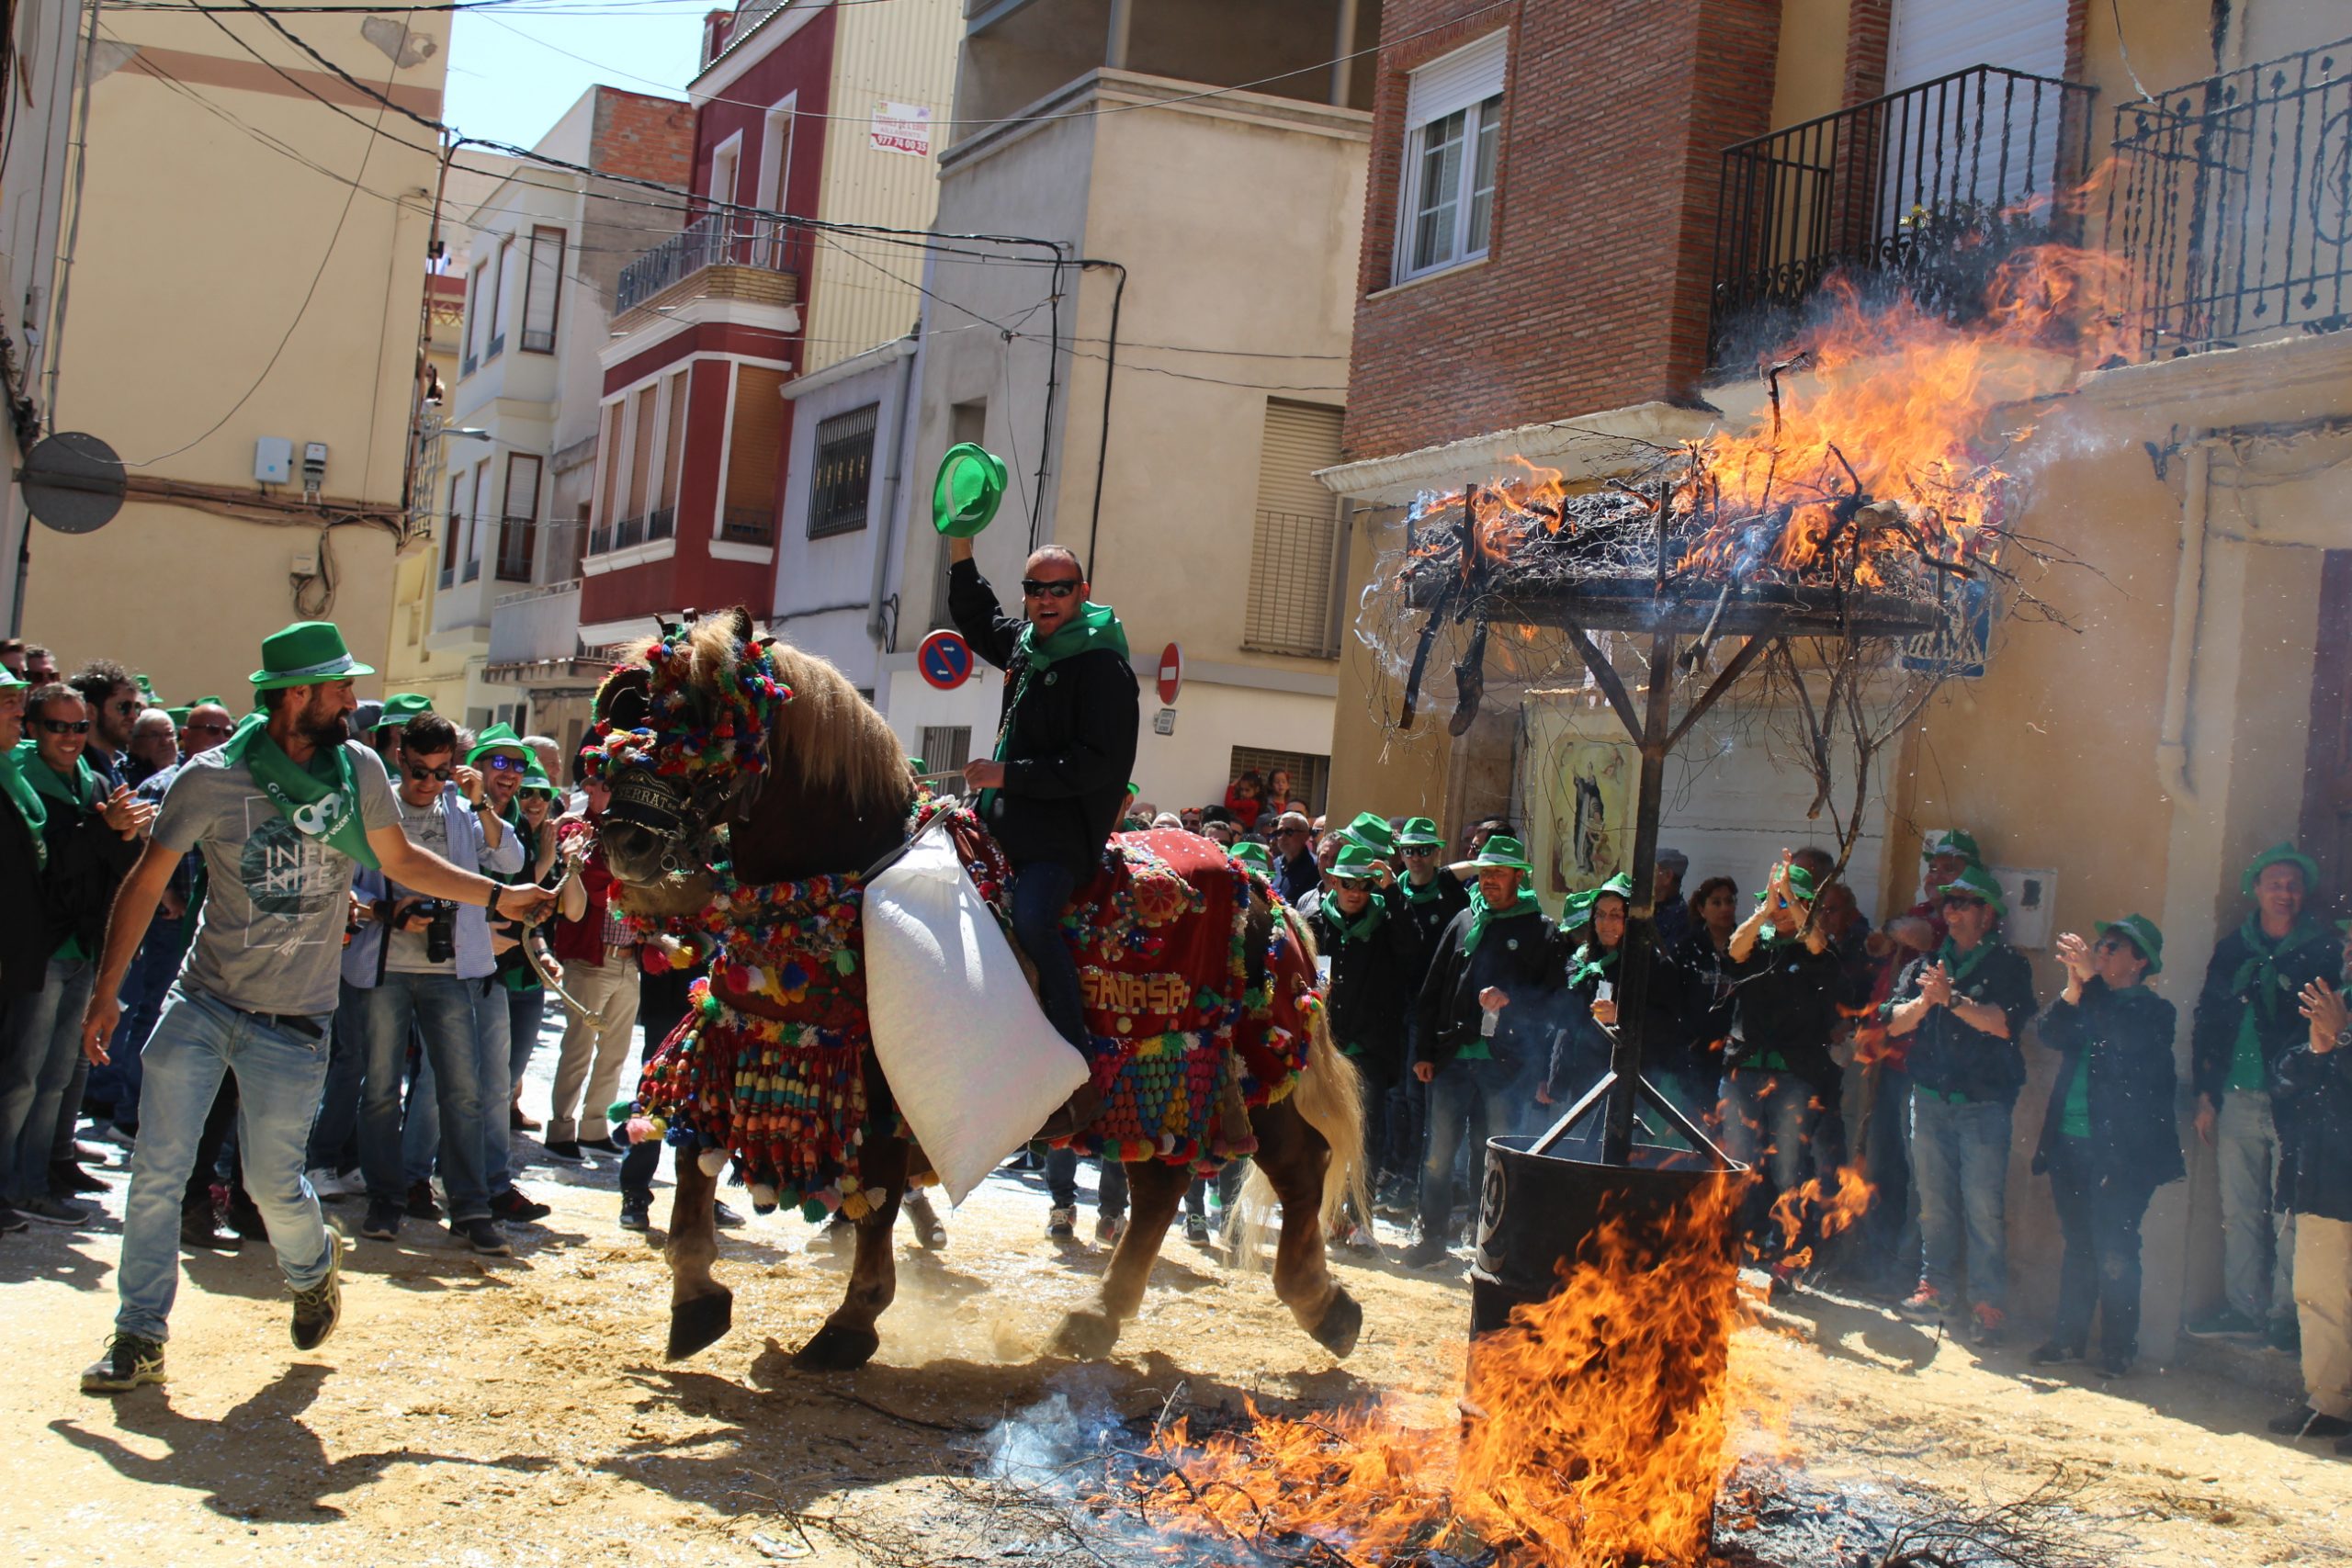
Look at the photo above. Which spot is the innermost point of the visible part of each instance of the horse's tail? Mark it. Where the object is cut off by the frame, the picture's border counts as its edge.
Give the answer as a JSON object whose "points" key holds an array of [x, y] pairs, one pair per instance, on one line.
{"points": [[1329, 1099]]}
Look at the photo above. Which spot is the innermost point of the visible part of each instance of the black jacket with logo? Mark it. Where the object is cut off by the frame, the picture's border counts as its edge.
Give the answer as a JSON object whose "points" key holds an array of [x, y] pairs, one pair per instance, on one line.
{"points": [[1371, 992], [2135, 1135], [1955, 1058], [1786, 1005], [2223, 1004], [1522, 956], [1071, 746]]}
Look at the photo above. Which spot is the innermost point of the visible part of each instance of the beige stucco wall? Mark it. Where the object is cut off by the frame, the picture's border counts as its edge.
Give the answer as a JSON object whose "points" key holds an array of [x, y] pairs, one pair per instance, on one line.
{"points": [[199, 244]]}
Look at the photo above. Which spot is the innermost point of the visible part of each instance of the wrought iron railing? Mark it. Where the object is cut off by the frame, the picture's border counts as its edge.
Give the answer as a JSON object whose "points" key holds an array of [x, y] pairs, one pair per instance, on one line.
{"points": [[600, 538], [2232, 204], [721, 240], [1926, 189], [661, 522], [629, 531], [747, 526]]}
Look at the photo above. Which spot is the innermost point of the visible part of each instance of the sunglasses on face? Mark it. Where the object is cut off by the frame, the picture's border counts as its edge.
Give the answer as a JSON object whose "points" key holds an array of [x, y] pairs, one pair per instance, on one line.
{"points": [[500, 762], [1061, 588], [1963, 903], [66, 725], [1418, 851], [210, 728], [418, 775], [2110, 944], [126, 706]]}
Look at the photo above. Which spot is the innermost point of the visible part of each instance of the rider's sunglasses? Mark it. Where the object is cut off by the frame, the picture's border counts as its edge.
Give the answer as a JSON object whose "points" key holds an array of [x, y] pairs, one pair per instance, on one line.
{"points": [[1061, 589], [418, 775], [66, 725], [500, 762]]}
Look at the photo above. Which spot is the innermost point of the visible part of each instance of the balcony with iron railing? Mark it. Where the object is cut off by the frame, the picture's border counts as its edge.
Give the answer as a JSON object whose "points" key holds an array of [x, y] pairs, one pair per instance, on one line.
{"points": [[727, 254], [747, 526], [1927, 191], [2232, 205]]}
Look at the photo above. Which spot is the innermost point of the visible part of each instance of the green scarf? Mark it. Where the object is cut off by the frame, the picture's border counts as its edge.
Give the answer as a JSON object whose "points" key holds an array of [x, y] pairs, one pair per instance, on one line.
{"points": [[1588, 967], [2261, 969], [1363, 925], [43, 781], [1423, 894], [26, 799], [1482, 913], [1094, 626], [321, 799], [1959, 966]]}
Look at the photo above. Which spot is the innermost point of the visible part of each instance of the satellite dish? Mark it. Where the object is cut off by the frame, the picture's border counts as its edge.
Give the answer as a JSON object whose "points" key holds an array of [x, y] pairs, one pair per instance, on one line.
{"points": [[73, 482]]}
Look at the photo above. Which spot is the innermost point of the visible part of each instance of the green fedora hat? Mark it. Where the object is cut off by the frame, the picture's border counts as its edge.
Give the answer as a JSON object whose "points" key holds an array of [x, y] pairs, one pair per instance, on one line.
{"points": [[2283, 852], [402, 706], [1505, 853], [307, 653], [1801, 883], [1951, 841], [1420, 833], [179, 717], [965, 496], [535, 778], [9, 678], [1355, 863], [1371, 831], [1254, 856], [2145, 936], [1973, 883], [500, 737]]}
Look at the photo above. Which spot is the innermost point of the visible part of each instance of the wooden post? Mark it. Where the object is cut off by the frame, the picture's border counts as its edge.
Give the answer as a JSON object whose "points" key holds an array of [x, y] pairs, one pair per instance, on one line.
{"points": [[1641, 928]]}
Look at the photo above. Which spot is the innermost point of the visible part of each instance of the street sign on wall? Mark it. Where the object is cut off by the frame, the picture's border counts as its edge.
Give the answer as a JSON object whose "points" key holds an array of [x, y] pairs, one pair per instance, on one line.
{"points": [[944, 659], [1171, 672]]}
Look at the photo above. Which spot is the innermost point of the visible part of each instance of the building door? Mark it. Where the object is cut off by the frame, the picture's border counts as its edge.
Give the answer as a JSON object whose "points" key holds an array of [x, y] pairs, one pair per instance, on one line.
{"points": [[2327, 780]]}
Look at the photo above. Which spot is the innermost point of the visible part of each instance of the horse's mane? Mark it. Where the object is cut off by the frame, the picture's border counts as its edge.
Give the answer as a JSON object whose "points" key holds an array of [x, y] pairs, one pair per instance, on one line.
{"points": [[826, 737]]}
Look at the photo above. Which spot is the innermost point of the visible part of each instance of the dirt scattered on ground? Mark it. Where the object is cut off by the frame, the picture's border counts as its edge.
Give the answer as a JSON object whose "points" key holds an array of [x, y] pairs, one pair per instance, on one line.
{"points": [[517, 1411]]}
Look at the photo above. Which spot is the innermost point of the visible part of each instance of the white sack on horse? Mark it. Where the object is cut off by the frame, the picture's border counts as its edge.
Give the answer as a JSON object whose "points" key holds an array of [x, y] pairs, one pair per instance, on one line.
{"points": [[973, 1064]]}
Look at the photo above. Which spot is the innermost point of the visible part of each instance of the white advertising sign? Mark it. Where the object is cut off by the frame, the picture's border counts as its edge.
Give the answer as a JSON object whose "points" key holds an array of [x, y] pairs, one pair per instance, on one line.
{"points": [[901, 128]]}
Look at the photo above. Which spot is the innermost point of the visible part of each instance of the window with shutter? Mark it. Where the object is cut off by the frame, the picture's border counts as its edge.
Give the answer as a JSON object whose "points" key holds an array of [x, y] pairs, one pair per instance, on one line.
{"points": [[542, 290], [496, 314], [518, 525], [754, 450], [451, 528], [478, 521], [608, 466], [1295, 553], [1453, 108], [946, 748], [845, 472]]}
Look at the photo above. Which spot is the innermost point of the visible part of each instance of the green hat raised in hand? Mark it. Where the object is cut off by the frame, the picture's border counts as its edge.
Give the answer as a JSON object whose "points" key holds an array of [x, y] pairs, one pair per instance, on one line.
{"points": [[968, 490]]}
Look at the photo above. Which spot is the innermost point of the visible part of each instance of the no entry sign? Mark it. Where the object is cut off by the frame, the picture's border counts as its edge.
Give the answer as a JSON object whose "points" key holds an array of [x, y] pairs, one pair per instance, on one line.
{"points": [[1171, 673], [945, 660]]}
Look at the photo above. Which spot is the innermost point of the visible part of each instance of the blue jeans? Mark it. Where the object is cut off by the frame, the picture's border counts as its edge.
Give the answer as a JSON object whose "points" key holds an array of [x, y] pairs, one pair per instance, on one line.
{"points": [[1769, 1121], [1041, 891], [144, 989], [337, 1128], [492, 1034], [2257, 1235], [278, 1076], [1062, 1182], [526, 1011], [1459, 1090], [441, 1008], [42, 1043], [1960, 1160]]}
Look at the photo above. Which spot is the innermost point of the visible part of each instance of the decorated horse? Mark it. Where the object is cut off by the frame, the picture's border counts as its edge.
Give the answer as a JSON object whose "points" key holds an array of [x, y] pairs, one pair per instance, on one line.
{"points": [[754, 795]]}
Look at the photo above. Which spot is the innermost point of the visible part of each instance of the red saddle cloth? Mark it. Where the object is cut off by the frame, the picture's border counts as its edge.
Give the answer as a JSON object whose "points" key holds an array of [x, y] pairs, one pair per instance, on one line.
{"points": [[1185, 1019]]}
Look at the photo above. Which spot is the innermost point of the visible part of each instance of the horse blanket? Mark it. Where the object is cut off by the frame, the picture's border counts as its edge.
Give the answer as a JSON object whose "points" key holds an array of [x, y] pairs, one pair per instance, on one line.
{"points": [[1191, 1023]]}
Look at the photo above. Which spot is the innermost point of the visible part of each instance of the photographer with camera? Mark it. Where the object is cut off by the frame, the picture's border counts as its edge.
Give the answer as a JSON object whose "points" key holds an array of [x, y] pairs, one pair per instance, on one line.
{"points": [[417, 962]]}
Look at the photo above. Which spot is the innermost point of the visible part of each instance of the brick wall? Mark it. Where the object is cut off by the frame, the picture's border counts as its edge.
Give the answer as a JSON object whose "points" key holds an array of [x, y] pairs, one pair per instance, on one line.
{"points": [[643, 136], [1594, 290], [1870, 24]]}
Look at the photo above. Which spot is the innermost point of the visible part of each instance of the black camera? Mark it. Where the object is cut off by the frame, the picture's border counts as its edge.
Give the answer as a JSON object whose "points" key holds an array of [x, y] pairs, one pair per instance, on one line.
{"points": [[440, 929]]}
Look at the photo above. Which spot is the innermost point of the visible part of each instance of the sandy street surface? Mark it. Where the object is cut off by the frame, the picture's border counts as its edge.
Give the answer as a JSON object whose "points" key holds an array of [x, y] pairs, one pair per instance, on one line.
{"points": [[482, 1412]]}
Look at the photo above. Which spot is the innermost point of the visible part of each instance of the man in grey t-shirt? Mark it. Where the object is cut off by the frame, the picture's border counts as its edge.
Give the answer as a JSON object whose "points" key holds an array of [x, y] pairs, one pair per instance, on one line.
{"points": [[281, 816]]}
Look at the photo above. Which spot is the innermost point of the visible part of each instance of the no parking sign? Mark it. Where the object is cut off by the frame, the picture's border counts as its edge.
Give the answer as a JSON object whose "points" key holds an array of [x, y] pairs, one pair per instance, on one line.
{"points": [[944, 659]]}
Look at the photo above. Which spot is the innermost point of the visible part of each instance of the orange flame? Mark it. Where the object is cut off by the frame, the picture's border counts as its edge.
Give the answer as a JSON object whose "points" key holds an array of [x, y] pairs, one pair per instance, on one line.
{"points": [[1593, 1433], [1828, 1211]]}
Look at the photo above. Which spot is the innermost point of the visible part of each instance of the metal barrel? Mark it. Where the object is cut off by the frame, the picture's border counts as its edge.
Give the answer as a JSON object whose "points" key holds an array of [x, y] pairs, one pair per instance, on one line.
{"points": [[1535, 1210]]}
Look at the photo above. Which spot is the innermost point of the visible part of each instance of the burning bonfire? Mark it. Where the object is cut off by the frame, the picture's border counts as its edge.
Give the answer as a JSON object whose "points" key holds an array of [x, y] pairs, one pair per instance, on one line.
{"points": [[1869, 500]]}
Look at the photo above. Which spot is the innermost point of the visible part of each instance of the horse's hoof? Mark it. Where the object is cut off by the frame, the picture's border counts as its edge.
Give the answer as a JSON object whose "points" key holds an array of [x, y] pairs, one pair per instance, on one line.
{"points": [[700, 1321], [1340, 1323], [1085, 1334], [837, 1349]]}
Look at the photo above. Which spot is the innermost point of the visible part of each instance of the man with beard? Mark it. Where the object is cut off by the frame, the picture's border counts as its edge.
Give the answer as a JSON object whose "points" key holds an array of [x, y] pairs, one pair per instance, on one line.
{"points": [[284, 813]]}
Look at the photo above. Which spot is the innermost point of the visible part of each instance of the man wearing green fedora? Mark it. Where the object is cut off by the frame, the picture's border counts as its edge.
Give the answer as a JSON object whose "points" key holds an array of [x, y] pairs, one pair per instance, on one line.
{"points": [[391, 717], [1481, 1022], [2109, 1136], [1965, 1007], [2245, 1020], [283, 814], [1368, 991]]}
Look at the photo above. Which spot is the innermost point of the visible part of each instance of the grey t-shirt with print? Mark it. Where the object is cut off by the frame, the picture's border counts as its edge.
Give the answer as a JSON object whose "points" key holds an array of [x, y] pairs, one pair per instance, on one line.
{"points": [[270, 937]]}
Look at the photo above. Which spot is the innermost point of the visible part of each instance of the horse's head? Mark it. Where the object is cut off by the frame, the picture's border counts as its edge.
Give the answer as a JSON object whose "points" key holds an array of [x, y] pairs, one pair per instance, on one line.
{"points": [[663, 811], [706, 729]]}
